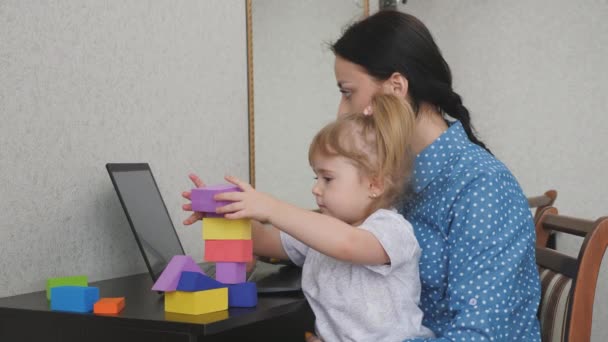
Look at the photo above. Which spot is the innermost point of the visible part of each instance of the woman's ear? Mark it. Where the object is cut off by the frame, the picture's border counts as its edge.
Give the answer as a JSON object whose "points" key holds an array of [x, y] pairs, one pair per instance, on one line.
{"points": [[396, 85]]}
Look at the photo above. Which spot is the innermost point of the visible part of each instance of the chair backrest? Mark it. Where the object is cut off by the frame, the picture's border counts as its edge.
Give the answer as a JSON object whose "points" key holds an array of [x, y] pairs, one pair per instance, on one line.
{"points": [[568, 284], [541, 202]]}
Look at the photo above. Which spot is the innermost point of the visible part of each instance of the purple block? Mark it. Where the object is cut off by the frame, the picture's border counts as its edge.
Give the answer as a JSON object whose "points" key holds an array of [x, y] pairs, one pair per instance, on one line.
{"points": [[214, 215], [230, 272], [243, 295], [170, 277], [202, 198], [194, 281]]}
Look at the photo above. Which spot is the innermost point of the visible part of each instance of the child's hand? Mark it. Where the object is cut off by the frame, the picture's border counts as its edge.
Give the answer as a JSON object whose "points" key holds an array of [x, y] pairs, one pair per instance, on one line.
{"points": [[248, 204], [195, 216]]}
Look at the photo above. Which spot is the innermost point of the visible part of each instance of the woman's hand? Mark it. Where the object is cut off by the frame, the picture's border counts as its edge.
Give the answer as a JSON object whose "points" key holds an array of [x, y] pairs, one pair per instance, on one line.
{"points": [[195, 216], [248, 204]]}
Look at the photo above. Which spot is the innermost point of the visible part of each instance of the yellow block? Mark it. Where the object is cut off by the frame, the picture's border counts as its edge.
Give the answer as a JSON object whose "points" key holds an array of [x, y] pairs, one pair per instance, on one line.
{"points": [[218, 228], [197, 303], [198, 319]]}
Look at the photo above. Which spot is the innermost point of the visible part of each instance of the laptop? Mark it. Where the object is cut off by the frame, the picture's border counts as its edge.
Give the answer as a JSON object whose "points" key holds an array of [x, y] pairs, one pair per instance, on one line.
{"points": [[155, 233]]}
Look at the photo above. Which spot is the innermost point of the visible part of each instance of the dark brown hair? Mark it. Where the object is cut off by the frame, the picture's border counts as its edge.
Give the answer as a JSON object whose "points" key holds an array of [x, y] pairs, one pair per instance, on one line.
{"points": [[391, 41]]}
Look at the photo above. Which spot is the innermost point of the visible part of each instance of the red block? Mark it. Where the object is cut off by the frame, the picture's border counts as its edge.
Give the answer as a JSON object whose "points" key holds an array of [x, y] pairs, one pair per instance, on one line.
{"points": [[228, 250]]}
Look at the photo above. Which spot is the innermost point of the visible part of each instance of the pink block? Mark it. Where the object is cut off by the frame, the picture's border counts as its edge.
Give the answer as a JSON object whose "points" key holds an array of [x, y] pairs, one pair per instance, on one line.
{"points": [[230, 272], [202, 198], [228, 250], [169, 278]]}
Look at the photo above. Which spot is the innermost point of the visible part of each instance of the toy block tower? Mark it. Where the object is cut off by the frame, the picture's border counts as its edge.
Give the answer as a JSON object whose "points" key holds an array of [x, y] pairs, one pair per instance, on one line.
{"points": [[227, 243]]}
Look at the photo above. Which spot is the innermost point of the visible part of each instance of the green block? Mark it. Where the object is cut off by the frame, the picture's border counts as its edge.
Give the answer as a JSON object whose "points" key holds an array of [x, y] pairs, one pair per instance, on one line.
{"points": [[65, 281]]}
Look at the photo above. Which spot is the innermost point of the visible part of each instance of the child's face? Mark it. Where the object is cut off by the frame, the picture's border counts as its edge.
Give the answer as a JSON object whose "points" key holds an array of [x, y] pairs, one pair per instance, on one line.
{"points": [[340, 190]]}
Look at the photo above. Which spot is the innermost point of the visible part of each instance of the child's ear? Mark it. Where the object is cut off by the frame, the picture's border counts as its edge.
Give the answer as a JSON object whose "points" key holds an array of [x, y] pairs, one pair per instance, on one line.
{"points": [[376, 187]]}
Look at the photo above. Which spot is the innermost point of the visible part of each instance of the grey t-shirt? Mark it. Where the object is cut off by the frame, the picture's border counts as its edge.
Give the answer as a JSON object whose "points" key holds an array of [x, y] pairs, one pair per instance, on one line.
{"points": [[355, 302]]}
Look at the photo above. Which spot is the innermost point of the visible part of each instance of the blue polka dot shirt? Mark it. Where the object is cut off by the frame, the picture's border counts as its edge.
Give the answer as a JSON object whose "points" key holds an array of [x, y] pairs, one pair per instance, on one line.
{"points": [[472, 221]]}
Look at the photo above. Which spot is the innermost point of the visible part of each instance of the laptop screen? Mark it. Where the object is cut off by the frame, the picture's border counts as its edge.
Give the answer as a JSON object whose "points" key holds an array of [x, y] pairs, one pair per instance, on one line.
{"points": [[147, 214]]}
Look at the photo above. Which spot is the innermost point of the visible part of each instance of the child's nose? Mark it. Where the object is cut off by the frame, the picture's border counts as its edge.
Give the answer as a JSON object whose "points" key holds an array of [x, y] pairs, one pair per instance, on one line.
{"points": [[316, 189], [341, 109]]}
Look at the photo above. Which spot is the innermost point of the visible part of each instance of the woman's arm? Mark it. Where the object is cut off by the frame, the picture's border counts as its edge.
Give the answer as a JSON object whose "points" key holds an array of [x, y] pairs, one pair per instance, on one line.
{"points": [[323, 233], [493, 291]]}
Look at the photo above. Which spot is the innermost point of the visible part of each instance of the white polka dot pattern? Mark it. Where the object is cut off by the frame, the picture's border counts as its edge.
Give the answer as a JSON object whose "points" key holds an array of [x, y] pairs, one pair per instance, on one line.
{"points": [[478, 266]]}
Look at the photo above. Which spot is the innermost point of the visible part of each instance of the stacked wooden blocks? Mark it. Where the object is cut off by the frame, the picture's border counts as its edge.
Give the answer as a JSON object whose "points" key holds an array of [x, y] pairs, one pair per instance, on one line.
{"points": [[227, 243], [73, 294]]}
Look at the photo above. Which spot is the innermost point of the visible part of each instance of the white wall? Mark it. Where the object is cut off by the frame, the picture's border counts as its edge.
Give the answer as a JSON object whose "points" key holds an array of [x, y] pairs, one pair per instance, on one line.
{"points": [[534, 74], [83, 83], [295, 88]]}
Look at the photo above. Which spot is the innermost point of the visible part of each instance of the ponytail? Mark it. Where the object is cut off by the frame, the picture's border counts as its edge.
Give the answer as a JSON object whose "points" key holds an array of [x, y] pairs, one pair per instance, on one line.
{"points": [[393, 126], [450, 103], [394, 121]]}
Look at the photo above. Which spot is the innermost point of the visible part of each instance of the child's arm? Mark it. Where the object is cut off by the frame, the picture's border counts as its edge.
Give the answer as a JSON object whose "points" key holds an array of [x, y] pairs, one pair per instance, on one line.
{"points": [[323, 233], [267, 241], [329, 235]]}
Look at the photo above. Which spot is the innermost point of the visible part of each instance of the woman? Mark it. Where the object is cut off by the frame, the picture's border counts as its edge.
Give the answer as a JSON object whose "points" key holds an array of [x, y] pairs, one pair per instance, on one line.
{"points": [[478, 267]]}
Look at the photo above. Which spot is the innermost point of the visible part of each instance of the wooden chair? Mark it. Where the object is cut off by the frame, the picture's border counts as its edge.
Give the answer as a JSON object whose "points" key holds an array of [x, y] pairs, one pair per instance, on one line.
{"points": [[568, 284], [540, 203]]}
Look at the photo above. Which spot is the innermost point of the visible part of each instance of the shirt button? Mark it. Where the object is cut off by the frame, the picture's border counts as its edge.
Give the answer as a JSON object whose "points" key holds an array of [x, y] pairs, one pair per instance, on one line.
{"points": [[473, 301]]}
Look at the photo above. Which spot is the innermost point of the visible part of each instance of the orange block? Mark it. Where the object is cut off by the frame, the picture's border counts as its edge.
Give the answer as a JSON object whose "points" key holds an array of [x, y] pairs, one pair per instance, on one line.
{"points": [[228, 250], [109, 306]]}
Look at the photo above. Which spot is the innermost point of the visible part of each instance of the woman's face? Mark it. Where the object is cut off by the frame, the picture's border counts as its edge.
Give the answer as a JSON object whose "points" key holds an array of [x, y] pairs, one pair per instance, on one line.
{"points": [[356, 85]]}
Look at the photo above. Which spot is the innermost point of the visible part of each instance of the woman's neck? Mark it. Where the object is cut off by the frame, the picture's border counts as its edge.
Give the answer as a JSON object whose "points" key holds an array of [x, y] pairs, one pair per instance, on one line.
{"points": [[429, 126]]}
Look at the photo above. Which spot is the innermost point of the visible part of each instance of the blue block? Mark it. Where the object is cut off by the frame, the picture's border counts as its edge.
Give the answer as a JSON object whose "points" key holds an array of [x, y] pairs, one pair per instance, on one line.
{"points": [[74, 298], [194, 281], [242, 295]]}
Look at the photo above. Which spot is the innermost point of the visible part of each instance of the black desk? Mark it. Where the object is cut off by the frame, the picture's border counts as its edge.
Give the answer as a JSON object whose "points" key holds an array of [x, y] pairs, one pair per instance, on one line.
{"points": [[278, 317]]}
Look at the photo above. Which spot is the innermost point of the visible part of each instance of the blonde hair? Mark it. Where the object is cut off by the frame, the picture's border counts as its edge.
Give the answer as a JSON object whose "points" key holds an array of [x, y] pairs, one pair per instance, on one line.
{"points": [[377, 144]]}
